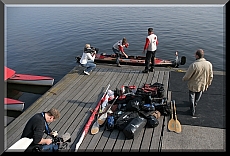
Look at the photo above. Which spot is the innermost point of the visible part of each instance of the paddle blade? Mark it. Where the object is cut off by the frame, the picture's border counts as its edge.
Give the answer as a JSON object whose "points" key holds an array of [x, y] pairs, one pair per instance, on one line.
{"points": [[95, 128], [102, 118], [171, 125], [177, 126]]}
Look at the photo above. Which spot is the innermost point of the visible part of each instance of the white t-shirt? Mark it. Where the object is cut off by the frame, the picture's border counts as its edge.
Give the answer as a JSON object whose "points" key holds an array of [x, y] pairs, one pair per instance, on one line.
{"points": [[85, 57]]}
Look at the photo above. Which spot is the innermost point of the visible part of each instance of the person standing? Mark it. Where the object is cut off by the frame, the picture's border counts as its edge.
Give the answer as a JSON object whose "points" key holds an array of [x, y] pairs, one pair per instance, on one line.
{"points": [[37, 126], [199, 76], [87, 59], [118, 49], [151, 43]]}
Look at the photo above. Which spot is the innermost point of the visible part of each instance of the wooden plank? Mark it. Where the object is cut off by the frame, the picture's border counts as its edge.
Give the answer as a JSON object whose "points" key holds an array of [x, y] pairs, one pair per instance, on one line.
{"points": [[120, 83], [116, 80], [83, 112], [147, 137]]}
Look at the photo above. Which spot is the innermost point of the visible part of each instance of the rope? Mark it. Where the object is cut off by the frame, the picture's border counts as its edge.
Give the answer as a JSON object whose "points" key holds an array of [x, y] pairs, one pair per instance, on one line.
{"points": [[177, 70]]}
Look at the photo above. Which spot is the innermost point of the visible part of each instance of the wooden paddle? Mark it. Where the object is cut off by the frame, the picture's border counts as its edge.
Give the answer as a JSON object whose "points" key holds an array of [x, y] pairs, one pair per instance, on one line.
{"points": [[103, 116], [172, 122], [95, 126], [177, 123]]}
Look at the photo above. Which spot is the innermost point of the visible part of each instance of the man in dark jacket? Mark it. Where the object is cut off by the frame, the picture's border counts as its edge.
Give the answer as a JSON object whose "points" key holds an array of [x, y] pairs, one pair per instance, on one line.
{"points": [[37, 126]]}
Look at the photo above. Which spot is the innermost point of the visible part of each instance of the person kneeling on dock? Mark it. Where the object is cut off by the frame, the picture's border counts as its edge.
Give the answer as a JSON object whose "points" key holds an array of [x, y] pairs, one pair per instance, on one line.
{"points": [[37, 126], [87, 59]]}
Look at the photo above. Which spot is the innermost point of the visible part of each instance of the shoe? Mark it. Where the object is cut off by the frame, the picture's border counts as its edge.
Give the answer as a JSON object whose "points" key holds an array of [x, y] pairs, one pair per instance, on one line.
{"points": [[151, 69], [195, 105], [86, 73], [118, 65], [145, 71]]}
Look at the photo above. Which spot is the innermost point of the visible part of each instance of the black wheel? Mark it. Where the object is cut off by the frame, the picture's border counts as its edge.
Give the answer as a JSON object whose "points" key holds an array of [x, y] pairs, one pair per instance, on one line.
{"points": [[183, 60]]}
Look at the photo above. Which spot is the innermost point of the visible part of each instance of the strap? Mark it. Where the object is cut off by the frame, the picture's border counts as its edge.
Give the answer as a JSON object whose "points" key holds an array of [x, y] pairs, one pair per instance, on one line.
{"points": [[47, 127]]}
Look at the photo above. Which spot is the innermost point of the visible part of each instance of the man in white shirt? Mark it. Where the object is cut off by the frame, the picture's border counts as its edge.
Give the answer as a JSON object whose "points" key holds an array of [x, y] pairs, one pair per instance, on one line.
{"points": [[151, 43]]}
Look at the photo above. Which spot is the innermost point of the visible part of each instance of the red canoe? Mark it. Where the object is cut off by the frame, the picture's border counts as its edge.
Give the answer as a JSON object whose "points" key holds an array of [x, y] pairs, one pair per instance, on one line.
{"points": [[12, 104], [12, 77], [137, 60]]}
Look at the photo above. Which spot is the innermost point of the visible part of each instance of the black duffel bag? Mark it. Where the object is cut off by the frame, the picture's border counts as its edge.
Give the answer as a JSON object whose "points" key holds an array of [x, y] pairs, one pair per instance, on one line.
{"points": [[133, 129], [123, 120]]}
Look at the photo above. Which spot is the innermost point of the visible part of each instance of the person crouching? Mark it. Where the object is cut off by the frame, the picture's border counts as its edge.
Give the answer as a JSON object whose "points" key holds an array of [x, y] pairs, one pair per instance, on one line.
{"points": [[87, 59]]}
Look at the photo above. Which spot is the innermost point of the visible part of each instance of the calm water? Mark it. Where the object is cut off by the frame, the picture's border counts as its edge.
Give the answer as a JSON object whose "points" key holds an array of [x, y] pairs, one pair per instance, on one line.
{"points": [[45, 40]]}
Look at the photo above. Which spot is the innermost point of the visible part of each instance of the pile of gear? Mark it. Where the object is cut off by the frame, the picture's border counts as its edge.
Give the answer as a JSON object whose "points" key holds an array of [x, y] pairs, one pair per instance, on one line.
{"points": [[136, 108]]}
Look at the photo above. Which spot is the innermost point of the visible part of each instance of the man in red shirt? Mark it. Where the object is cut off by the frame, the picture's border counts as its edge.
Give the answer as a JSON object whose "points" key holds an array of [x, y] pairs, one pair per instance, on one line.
{"points": [[151, 47], [118, 49]]}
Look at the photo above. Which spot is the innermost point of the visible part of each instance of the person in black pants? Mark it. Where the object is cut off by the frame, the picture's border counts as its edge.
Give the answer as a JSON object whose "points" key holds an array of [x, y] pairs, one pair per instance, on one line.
{"points": [[151, 43], [37, 126], [199, 76]]}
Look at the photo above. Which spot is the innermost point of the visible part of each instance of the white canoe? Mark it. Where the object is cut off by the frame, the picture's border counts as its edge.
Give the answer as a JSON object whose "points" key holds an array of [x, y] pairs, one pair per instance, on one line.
{"points": [[13, 105]]}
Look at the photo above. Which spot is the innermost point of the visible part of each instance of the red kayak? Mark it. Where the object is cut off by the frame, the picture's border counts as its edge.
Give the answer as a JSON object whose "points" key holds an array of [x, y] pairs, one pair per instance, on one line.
{"points": [[137, 60], [12, 77], [12, 104]]}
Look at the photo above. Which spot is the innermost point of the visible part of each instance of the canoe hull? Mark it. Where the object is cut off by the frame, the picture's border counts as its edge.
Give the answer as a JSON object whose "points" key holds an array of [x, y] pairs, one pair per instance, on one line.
{"points": [[135, 60], [12, 77], [13, 105], [31, 80]]}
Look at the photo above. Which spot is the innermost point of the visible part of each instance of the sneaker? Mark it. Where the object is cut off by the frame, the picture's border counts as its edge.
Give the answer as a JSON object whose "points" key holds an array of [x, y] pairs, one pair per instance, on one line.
{"points": [[151, 69], [118, 65], [195, 104], [145, 71], [86, 73]]}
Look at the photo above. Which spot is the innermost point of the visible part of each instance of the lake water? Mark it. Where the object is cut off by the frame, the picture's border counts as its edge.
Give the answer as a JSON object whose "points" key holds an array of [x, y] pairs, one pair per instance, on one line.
{"points": [[45, 40]]}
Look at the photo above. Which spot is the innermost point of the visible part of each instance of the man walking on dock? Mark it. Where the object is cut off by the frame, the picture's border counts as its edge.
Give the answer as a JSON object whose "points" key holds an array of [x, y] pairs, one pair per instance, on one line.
{"points": [[199, 76]]}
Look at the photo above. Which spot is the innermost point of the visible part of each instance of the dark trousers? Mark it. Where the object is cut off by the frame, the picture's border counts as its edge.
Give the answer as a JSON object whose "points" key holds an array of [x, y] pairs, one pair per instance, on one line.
{"points": [[118, 55], [194, 98], [150, 56]]}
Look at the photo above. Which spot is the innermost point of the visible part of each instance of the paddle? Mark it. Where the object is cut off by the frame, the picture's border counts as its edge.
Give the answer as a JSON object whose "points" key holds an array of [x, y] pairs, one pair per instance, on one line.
{"points": [[178, 125], [103, 116], [95, 126], [172, 122]]}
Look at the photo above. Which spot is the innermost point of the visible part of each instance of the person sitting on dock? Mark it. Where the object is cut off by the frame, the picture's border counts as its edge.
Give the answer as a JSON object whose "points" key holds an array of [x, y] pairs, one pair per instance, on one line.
{"points": [[87, 59], [118, 49], [37, 126]]}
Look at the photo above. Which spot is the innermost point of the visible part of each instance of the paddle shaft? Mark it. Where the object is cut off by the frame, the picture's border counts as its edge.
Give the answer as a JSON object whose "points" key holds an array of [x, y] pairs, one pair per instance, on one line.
{"points": [[111, 105], [174, 109], [171, 122], [103, 116], [178, 125]]}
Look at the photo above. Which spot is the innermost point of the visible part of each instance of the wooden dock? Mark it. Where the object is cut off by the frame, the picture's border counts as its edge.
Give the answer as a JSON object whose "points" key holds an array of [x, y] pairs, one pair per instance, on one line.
{"points": [[76, 94]]}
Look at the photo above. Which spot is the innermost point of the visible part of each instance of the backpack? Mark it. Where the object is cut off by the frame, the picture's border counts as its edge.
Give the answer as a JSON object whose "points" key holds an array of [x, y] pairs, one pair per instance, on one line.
{"points": [[134, 104]]}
